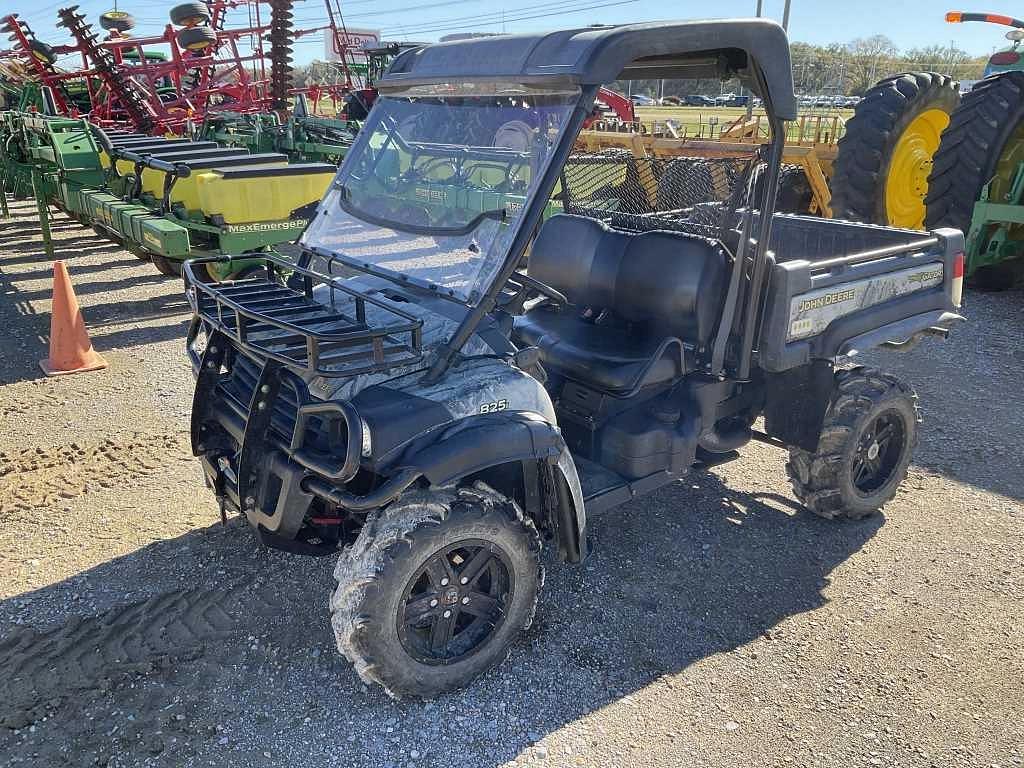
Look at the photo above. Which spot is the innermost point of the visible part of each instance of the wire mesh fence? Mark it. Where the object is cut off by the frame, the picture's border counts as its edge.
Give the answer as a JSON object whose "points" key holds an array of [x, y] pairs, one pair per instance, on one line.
{"points": [[688, 194]]}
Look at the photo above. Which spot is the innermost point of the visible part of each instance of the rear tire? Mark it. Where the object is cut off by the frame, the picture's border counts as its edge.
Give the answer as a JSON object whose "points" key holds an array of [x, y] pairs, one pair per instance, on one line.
{"points": [[979, 134], [411, 559], [866, 444], [995, 278], [871, 154]]}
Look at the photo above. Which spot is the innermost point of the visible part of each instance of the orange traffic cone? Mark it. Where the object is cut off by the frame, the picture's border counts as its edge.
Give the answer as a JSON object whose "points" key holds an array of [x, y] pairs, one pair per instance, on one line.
{"points": [[70, 348]]}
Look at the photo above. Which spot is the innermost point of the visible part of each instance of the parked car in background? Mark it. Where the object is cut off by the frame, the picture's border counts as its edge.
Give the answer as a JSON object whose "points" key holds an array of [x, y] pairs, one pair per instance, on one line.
{"points": [[670, 101], [696, 100], [642, 101]]}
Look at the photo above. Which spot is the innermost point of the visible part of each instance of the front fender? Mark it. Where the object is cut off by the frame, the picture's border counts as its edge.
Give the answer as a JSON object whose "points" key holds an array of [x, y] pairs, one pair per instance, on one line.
{"points": [[480, 442]]}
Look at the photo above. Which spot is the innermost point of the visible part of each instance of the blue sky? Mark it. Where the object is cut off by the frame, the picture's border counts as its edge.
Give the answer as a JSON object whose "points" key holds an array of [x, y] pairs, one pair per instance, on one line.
{"points": [[909, 24]]}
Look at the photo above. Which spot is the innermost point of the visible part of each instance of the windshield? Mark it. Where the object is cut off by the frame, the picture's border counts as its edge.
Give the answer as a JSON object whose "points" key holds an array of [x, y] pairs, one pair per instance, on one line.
{"points": [[434, 188]]}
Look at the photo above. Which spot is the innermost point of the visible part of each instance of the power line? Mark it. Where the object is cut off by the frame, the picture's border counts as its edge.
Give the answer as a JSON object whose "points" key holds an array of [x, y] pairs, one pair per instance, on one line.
{"points": [[449, 24]]}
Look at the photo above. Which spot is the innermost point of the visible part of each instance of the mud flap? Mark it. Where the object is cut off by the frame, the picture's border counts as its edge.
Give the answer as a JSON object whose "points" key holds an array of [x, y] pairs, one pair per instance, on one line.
{"points": [[572, 514]]}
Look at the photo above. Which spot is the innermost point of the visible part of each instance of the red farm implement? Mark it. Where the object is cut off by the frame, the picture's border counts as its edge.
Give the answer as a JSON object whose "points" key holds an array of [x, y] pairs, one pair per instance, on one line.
{"points": [[158, 83]]}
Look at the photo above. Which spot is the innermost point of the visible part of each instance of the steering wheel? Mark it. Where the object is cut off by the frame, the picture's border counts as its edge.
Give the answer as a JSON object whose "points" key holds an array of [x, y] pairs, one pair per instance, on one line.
{"points": [[526, 286]]}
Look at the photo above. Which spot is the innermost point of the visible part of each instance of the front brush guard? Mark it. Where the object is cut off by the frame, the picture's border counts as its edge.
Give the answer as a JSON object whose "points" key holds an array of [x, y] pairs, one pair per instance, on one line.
{"points": [[269, 473]]}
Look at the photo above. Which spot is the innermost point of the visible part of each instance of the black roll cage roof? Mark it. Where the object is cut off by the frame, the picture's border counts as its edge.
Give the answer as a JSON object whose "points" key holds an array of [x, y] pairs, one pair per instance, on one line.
{"points": [[754, 50]]}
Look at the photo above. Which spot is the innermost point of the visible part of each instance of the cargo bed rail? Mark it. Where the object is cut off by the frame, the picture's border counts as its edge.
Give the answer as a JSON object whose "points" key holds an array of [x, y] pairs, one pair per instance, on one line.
{"points": [[275, 320]]}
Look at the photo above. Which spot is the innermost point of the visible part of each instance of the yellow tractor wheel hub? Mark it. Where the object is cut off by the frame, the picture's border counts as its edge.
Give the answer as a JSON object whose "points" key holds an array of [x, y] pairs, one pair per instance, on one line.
{"points": [[906, 183]]}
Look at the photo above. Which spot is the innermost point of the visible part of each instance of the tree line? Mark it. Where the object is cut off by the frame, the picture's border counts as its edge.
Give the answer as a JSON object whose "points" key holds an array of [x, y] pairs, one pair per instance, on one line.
{"points": [[839, 69]]}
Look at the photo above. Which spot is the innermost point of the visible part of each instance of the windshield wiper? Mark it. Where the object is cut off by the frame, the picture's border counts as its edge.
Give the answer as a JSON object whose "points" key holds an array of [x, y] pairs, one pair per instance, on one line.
{"points": [[345, 203]]}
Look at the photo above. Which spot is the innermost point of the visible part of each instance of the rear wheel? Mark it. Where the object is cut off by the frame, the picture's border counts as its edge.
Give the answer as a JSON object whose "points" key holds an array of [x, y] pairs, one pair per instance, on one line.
{"points": [[866, 444], [42, 51], [885, 156], [435, 589]]}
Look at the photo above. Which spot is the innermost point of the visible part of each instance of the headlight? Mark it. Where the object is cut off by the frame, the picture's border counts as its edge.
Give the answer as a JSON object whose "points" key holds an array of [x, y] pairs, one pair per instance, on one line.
{"points": [[367, 438]]}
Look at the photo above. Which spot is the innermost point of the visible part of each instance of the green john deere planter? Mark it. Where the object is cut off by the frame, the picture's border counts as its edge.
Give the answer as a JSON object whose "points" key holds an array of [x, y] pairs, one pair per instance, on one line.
{"points": [[164, 200]]}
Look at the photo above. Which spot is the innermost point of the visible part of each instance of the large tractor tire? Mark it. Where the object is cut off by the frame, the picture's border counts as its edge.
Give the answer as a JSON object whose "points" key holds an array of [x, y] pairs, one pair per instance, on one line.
{"points": [[684, 183], [885, 156], [794, 192], [984, 142]]}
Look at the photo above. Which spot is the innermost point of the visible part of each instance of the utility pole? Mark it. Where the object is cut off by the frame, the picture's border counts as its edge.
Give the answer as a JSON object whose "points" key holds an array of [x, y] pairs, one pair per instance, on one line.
{"points": [[785, 16], [750, 103]]}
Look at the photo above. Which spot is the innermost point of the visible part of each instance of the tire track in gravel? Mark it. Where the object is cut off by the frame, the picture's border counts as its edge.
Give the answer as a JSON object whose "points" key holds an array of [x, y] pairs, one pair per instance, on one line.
{"points": [[39, 670], [41, 477]]}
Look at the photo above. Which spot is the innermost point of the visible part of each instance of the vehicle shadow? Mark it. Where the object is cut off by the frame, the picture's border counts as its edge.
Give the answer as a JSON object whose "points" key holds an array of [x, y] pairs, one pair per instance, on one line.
{"points": [[209, 628]]}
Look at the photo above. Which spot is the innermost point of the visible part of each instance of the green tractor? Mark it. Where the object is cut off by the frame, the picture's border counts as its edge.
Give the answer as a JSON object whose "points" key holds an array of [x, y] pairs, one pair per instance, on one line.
{"points": [[977, 180], [918, 155]]}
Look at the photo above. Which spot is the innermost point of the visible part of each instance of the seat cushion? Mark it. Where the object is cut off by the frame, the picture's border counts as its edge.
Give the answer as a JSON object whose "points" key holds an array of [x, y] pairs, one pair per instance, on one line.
{"points": [[673, 281], [606, 357]]}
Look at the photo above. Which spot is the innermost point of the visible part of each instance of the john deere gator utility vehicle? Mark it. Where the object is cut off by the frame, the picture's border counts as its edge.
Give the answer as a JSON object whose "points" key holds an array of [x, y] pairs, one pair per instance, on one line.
{"points": [[421, 395]]}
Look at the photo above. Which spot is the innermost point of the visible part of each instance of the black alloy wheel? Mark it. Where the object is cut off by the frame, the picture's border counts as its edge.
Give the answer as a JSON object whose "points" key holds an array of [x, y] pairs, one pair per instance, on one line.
{"points": [[878, 453], [455, 602]]}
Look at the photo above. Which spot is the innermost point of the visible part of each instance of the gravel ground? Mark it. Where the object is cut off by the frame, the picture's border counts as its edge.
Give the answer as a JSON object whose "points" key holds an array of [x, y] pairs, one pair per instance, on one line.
{"points": [[716, 624]]}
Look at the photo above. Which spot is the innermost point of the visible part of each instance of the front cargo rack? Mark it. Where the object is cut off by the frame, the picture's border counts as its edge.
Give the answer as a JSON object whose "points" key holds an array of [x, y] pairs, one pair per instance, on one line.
{"points": [[274, 319]]}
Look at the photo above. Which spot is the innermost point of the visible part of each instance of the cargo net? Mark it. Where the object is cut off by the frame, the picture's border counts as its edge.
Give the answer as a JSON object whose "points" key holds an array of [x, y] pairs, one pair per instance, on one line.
{"points": [[698, 195]]}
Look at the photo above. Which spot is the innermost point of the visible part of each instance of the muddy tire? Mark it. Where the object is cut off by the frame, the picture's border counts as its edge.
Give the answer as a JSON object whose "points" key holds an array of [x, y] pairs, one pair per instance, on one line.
{"points": [[866, 444], [402, 613], [884, 158], [978, 136]]}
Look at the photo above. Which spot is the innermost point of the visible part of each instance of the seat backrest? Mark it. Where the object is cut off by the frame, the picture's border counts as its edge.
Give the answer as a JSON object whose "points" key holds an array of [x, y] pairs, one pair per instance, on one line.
{"points": [[672, 280]]}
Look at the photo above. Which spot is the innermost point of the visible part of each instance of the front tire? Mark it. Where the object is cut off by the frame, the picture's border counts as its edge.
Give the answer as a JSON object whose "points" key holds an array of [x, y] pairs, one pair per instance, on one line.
{"points": [[866, 444], [435, 590]]}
